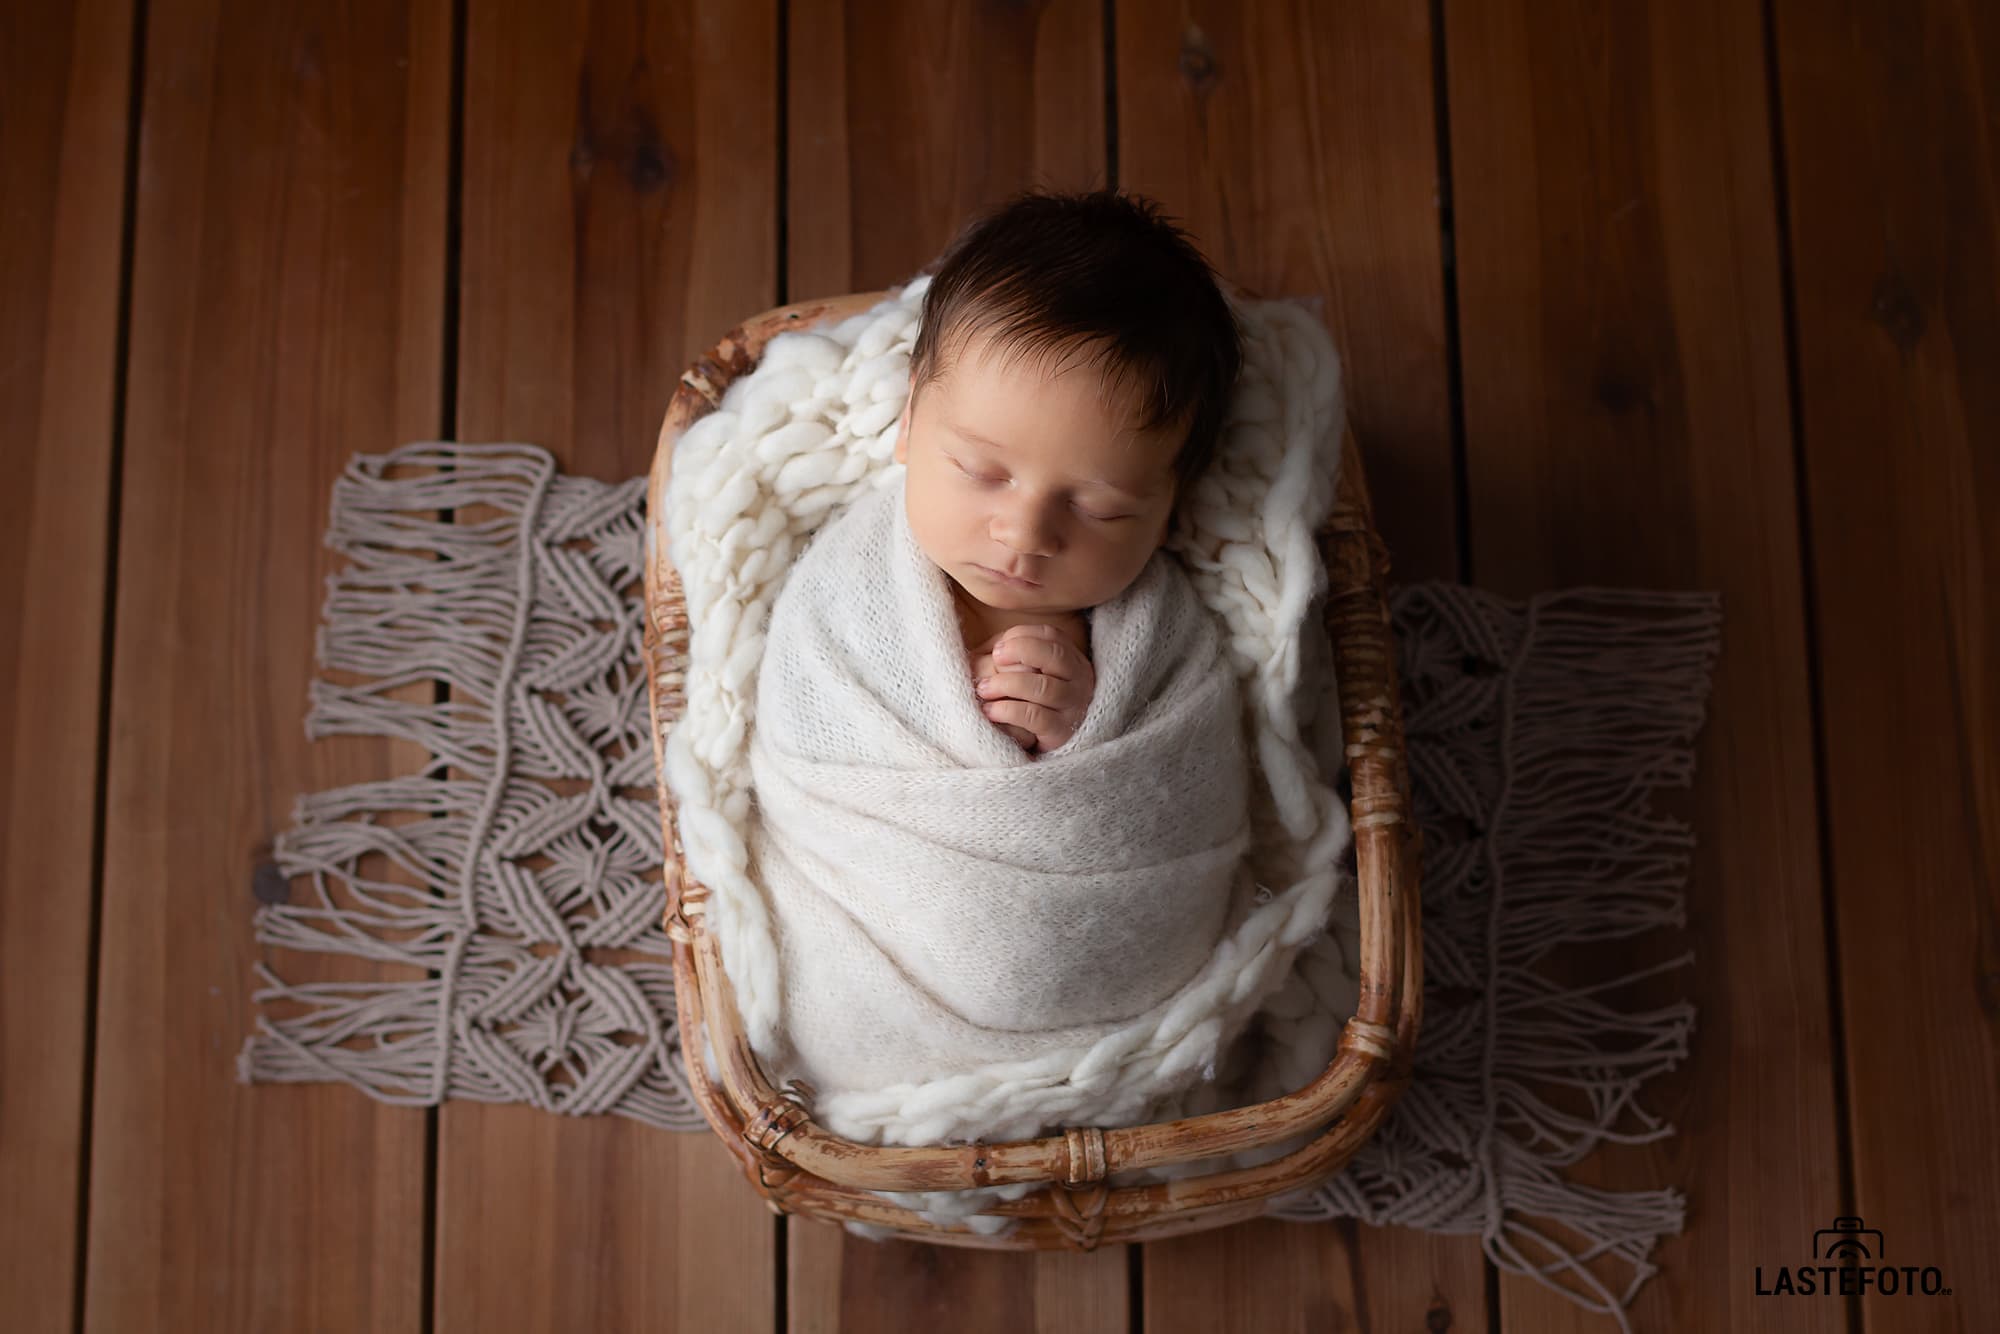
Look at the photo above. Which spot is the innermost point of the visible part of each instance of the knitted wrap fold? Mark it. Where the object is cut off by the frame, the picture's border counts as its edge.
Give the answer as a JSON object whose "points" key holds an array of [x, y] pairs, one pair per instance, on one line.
{"points": [[945, 902]]}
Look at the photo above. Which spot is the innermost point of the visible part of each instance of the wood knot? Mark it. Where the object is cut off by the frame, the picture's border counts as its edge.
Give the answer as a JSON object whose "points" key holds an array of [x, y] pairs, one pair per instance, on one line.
{"points": [[651, 165], [630, 137], [1895, 308], [1621, 394], [269, 885], [1200, 67], [1989, 994]]}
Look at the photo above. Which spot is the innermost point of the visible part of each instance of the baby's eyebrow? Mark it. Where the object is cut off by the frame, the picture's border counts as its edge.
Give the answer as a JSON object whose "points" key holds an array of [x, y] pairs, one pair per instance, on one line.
{"points": [[977, 439]]}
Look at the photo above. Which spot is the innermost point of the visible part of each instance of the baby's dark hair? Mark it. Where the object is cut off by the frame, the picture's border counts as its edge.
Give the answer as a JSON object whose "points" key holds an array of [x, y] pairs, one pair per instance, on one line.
{"points": [[1102, 272]]}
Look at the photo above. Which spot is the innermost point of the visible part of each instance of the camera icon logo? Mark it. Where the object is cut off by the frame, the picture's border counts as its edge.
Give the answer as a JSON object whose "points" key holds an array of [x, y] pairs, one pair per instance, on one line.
{"points": [[1847, 1239]]}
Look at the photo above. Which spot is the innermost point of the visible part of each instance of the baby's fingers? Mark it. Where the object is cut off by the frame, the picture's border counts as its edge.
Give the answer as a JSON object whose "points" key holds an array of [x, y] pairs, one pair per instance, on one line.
{"points": [[1050, 728], [1030, 687], [1039, 647]]}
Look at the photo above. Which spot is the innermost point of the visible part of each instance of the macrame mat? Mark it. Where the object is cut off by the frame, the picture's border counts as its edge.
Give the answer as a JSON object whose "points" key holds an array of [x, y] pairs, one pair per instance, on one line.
{"points": [[527, 890]]}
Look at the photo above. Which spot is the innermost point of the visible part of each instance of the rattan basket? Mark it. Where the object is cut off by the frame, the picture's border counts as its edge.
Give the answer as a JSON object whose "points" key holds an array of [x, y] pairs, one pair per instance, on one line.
{"points": [[801, 1168]]}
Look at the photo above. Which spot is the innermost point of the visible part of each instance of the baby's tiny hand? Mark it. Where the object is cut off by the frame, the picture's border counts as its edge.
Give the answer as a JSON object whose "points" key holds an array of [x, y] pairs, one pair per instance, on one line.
{"points": [[1038, 682], [983, 666]]}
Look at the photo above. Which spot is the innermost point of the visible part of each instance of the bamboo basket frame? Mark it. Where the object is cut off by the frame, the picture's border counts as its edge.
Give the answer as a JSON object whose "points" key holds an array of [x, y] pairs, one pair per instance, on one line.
{"points": [[801, 1168]]}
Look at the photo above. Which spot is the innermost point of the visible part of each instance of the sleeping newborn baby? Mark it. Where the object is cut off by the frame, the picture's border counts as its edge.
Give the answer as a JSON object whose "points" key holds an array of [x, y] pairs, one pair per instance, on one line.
{"points": [[1036, 483], [998, 754], [1037, 502]]}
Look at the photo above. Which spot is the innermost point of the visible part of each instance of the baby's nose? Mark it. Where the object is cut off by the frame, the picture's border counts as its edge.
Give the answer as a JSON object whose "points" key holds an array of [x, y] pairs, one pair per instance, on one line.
{"points": [[1031, 538]]}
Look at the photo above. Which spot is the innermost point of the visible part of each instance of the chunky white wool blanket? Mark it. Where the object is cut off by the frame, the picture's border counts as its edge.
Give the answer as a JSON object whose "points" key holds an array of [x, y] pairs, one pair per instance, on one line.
{"points": [[1026, 969]]}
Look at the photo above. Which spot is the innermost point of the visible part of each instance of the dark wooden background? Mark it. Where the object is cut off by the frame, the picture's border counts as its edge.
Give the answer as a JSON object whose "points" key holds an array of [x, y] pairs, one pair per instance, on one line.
{"points": [[1657, 293]]}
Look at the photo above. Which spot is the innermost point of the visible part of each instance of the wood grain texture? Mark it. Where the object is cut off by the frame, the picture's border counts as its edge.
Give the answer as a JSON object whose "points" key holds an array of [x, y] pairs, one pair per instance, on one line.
{"points": [[839, 1284], [1298, 144], [619, 213], [1892, 167], [64, 86], [905, 121], [287, 309], [1627, 424]]}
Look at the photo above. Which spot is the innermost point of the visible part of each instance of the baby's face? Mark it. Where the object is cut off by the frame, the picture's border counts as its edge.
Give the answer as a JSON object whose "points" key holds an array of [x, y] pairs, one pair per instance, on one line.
{"points": [[1024, 473]]}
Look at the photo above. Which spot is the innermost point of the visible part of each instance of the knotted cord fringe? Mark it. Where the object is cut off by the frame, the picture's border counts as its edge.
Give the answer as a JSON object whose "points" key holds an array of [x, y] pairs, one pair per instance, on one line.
{"points": [[1537, 735], [531, 623]]}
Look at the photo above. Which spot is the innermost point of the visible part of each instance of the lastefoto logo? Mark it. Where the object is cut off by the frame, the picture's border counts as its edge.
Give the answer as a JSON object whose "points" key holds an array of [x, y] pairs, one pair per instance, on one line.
{"points": [[1849, 1262]]}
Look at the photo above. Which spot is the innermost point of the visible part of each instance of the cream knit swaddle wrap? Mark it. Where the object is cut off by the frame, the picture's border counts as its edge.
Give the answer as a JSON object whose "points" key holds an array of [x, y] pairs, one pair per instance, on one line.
{"points": [[945, 902], [811, 431]]}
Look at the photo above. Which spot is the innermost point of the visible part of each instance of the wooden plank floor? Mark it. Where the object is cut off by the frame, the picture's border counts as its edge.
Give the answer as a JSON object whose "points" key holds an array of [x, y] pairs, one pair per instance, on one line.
{"points": [[1657, 294]]}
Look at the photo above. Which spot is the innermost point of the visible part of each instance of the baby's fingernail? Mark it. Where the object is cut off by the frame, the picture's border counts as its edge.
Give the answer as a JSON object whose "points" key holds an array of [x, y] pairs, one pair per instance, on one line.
{"points": [[984, 682]]}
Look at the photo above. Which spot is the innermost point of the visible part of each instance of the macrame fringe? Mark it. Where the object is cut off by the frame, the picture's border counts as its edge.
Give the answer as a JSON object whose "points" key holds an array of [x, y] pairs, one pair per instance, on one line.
{"points": [[1589, 701], [503, 1006]]}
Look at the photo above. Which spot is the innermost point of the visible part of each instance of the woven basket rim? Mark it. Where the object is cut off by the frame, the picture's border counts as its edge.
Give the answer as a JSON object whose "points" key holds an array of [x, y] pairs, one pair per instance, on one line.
{"points": [[800, 1167]]}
